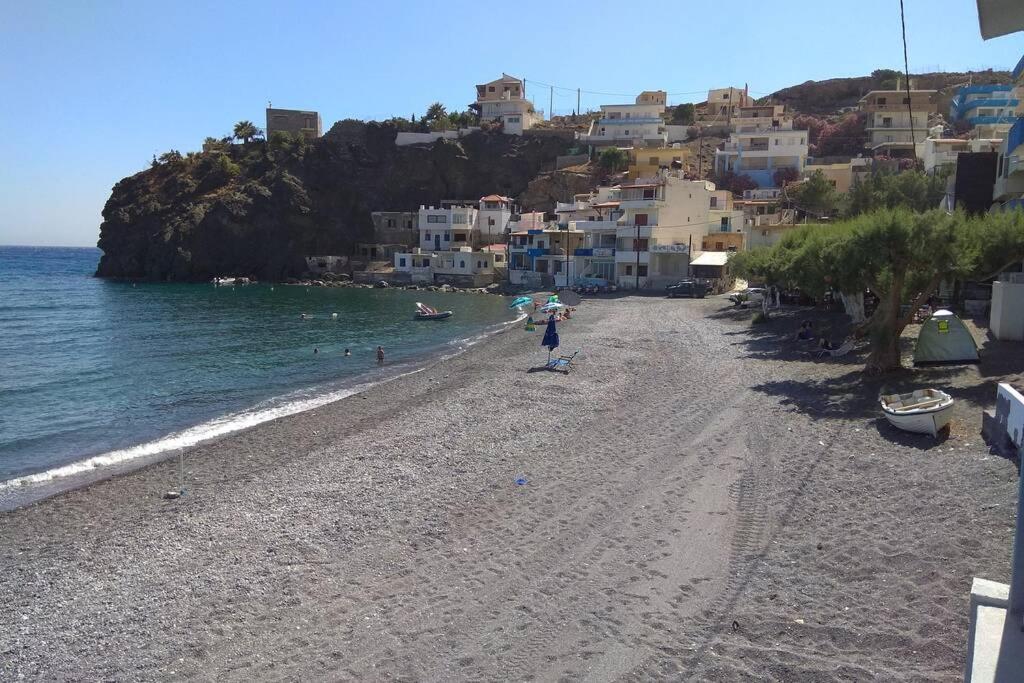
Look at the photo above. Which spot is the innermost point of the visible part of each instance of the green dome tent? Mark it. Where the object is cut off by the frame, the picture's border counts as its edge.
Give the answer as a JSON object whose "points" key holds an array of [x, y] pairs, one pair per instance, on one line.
{"points": [[945, 339]]}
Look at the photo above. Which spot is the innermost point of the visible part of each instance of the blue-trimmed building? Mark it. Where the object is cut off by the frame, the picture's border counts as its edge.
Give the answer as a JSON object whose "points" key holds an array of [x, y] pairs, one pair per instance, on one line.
{"points": [[977, 105], [1009, 185]]}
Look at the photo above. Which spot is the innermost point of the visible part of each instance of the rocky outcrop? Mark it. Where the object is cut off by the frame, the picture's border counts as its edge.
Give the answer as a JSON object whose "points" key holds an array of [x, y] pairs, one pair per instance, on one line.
{"points": [[558, 186], [257, 209]]}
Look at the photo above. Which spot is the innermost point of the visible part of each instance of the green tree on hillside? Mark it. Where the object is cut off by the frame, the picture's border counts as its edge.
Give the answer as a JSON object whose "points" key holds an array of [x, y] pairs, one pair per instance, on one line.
{"points": [[613, 159], [246, 131], [816, 195], [435, 112], [899, 255], [915, 190], [683, 115]]}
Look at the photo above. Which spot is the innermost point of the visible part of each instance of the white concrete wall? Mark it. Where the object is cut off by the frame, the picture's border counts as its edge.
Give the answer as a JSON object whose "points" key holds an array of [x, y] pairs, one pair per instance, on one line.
{"points": [[1007, 315]]}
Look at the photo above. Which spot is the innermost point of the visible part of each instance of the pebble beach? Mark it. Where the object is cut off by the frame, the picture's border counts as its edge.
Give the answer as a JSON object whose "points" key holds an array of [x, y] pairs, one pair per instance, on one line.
{"points": [[695, 500]]}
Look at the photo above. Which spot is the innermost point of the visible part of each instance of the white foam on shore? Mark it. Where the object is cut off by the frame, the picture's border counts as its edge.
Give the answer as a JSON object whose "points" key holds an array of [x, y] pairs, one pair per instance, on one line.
{"points": [[226, 424], [192, 436]]}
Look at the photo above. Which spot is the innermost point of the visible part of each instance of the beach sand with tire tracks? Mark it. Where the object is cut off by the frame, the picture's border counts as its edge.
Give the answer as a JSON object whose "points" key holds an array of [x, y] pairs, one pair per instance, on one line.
{"points": [[697, 506]]}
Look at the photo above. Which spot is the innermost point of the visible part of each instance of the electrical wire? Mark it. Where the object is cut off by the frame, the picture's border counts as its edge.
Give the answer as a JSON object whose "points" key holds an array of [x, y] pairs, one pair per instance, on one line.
{"points": [[906, 72]]}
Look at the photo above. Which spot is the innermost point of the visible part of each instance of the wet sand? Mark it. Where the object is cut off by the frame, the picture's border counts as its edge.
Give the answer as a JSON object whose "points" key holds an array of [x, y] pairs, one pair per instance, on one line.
{"points": [[701, 502]]}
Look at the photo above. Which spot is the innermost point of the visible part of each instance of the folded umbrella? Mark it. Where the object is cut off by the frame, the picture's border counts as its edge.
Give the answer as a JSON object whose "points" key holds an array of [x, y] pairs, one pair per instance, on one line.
{"points": [[550, 337]]}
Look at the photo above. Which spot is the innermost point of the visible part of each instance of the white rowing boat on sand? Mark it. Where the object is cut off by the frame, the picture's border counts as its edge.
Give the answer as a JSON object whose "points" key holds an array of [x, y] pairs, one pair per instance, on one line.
{"points": [[925, 411]]}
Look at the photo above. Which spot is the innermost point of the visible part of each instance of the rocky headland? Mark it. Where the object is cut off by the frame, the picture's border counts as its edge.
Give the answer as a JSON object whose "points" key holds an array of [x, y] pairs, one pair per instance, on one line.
{"points": [[257, 209]]}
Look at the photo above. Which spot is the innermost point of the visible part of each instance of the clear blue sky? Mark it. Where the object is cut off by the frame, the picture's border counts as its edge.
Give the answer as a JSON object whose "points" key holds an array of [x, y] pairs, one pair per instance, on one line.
{"points": [[92, 90]]}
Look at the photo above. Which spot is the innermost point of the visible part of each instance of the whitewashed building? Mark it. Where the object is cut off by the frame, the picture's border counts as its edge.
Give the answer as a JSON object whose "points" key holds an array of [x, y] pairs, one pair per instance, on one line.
{"points": [[760, 154], [663, 222], [628, 125], [504, 100]]}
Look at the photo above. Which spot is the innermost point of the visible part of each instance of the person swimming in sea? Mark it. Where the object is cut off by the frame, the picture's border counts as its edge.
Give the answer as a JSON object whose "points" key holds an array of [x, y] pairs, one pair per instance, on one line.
{"points": [[347, 352], [380, 355]]}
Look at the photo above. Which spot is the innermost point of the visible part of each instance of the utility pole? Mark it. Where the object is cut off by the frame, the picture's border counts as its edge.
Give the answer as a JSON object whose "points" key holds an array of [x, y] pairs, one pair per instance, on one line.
{"points": [[578, 112], [689, 256], [551, 103], [636, 248]]}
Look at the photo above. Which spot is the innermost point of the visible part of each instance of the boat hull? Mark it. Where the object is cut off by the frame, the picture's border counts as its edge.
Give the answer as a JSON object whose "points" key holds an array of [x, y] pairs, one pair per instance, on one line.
{"points": [[433, 316], [922, 422]]}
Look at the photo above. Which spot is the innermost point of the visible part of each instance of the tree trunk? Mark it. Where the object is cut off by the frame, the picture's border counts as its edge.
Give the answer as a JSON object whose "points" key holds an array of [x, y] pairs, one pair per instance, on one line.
{"points": [[887, 325], [854, 305]]}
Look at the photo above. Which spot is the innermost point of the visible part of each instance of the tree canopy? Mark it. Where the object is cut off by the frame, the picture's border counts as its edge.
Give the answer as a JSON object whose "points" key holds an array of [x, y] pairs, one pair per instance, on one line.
{"points": [[899, 255], [246, 131], [612, 159]]}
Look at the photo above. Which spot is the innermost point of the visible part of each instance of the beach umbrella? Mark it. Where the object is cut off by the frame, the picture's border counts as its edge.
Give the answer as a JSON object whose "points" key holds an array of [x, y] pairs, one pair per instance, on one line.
{"points": [[520, 301], [550, 337], [551, 307], [553, 298]]}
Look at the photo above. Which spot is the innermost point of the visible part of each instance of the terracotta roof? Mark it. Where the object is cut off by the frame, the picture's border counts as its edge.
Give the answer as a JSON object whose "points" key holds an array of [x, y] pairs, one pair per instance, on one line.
{"points": [[494, 198]]}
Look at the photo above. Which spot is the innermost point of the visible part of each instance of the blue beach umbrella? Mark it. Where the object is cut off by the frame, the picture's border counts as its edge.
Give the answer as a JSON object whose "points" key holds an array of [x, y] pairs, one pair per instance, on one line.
{"points": [[550, 337], [520, 301]]}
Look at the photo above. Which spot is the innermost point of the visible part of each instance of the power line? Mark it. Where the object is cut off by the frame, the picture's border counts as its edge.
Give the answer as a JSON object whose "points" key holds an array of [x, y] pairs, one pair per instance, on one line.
{"points": [[906, 72]]}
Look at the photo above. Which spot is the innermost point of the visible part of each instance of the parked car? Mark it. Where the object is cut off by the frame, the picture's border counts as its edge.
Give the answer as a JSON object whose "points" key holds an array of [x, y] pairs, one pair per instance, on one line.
{"points": [[752, 296], [687, 288]]}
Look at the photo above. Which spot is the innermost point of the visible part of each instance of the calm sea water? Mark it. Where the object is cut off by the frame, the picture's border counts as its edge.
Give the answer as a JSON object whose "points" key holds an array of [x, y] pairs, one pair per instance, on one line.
{"points": [[110, 371]]}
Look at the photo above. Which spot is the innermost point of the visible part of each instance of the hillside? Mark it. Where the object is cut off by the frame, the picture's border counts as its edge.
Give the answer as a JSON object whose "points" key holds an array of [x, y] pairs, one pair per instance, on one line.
{"points": [[257, 209], [827, 97]]}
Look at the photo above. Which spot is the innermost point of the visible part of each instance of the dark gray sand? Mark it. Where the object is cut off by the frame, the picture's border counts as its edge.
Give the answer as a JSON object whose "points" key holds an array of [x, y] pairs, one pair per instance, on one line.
{"points": [[703, 502]]}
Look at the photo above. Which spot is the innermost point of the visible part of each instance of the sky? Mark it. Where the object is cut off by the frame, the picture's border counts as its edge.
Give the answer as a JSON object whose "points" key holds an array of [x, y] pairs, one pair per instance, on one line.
{"points": [[92, 89]]}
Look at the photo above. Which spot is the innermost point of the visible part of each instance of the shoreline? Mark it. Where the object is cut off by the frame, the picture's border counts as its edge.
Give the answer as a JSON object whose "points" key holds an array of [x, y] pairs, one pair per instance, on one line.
{"points": [[35, 487], [684, 478]]}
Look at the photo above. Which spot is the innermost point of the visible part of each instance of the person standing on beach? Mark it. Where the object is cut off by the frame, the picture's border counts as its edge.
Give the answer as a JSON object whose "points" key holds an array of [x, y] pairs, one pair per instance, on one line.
{"points": [[380, 355]]}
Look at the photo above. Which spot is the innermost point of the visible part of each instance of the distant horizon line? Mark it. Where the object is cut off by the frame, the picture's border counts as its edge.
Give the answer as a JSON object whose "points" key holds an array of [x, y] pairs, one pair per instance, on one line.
{"points": [[47, 246]]}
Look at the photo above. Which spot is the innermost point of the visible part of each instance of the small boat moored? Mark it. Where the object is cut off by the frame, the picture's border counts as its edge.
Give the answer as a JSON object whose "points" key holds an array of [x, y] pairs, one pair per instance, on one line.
{"points": [[424, 312], [925, 411]]}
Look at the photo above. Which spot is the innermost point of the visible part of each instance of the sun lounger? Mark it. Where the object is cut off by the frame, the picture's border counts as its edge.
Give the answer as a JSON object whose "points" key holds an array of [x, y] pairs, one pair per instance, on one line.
{"points": [[562, 363], [836, 353]]}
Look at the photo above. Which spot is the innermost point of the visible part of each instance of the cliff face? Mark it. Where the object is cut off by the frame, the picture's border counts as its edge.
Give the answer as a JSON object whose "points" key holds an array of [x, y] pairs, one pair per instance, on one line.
{"points": [[257, 209], [825, 97]]}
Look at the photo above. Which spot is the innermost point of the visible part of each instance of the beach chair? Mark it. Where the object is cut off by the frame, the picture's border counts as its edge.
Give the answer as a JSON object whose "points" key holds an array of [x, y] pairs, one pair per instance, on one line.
{"points": [[844, 349], [562, 363]]}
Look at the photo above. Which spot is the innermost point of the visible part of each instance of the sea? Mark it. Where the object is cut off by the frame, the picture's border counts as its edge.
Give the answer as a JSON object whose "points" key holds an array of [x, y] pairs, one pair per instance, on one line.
{"points": [[98, 375]]}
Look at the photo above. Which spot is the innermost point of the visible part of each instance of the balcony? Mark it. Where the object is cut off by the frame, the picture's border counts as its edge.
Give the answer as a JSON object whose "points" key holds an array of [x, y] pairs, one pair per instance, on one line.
{"points": [[593, 226], [1015, 137], [630, 257], [636, 121], [631, 231], [596, 252]]}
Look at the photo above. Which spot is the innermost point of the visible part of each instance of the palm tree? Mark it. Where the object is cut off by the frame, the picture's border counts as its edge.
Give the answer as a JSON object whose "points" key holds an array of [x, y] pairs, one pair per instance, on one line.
{"points": [[435, 112], [246, 130]]}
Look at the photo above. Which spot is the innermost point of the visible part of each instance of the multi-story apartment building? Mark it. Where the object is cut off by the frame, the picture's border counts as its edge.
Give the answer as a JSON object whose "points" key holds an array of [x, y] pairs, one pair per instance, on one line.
{"points": [[447, 228], [1009, 187], [985, 105], [897, 123], [494, 212], [628, 125], [723, 104], [941, 153], [294, 122], [652, 97], [755, 118], [762, 154], [504, 100], [645, 162], [663, 220]]}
